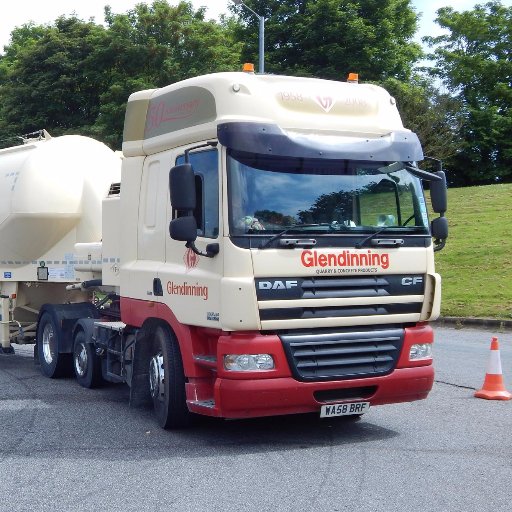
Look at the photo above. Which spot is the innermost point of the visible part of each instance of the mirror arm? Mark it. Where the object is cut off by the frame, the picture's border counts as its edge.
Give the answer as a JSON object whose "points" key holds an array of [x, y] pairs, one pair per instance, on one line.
{"points": [[439, 244], [211, 249], [420, 173]]}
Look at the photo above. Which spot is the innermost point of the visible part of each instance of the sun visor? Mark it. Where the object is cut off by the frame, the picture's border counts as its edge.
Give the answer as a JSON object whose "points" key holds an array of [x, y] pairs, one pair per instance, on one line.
{"points": [[270, 139]]}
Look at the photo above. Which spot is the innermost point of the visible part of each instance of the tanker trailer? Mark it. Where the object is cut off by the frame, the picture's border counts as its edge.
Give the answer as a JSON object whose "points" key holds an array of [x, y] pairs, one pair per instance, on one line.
{"points": [[51, 194]]}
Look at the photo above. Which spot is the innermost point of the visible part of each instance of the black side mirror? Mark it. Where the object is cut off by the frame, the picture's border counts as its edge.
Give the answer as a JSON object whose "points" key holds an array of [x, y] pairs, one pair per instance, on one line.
{"points": [[183, 229], [438, 193], [439, 229], [183, 188]]}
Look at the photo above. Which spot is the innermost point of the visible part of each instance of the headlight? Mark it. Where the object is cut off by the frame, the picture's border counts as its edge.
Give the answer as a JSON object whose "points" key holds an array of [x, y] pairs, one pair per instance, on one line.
{"points": [[420, 351], [248, 362]]}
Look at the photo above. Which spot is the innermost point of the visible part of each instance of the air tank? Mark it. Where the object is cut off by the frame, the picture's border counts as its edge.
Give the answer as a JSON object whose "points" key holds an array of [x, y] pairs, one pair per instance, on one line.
{"points": [[48, 188]]}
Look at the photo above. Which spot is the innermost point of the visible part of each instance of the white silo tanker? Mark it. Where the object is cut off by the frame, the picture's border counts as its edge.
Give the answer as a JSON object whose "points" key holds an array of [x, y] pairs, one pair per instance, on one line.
{"points": [[51, 194]]}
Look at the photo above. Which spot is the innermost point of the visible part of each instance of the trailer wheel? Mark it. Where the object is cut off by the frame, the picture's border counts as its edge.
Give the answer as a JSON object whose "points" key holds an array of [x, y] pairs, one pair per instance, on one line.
{"points": [[52, 363], [167, 381], [86, 363]]}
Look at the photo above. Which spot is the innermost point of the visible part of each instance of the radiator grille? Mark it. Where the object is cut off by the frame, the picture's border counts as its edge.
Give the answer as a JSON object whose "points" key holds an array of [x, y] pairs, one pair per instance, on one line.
{"points": [[288, 288], [339, 312], [381, 291], [342, 355]]}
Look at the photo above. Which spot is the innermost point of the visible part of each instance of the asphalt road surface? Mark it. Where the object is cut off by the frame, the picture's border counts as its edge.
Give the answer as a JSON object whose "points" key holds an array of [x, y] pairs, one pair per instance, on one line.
{"points": [[66, 448]]}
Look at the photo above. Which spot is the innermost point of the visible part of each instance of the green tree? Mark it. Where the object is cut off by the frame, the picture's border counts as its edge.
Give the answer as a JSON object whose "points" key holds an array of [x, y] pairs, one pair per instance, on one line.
{"points": [[76, 76], [432, 115], [47, 78], [474, 61], [329, 38]]}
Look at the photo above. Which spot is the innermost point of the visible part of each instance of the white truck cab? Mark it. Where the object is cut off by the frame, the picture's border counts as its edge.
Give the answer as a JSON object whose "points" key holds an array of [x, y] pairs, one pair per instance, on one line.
{"points": [[268, 251]]}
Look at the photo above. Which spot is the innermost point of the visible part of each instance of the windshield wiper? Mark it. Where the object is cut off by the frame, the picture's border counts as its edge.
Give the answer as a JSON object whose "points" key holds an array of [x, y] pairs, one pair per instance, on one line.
{"points": [[333, 227], [387, 242]]}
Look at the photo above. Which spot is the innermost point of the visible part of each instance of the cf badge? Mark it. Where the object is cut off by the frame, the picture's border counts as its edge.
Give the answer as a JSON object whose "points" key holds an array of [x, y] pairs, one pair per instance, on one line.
{"points": [[411, 281]]}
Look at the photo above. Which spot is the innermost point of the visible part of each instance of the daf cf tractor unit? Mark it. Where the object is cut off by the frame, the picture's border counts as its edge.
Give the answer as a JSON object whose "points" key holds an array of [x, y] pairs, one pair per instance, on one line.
{"points": [[261, 247]]}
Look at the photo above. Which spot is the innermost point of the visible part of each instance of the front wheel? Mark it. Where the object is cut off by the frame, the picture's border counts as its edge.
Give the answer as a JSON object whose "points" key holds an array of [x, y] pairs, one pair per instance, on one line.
{"points": [[167, 381], [52, 363], [86, 363]]}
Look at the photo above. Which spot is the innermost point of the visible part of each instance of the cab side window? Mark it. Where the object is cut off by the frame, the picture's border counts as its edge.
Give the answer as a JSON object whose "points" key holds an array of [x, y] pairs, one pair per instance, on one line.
{"points": [[206, 170]]}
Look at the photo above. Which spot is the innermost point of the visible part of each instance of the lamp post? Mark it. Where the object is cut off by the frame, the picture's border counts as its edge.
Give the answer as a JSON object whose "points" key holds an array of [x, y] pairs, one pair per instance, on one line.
{"points": [[261, 63]]}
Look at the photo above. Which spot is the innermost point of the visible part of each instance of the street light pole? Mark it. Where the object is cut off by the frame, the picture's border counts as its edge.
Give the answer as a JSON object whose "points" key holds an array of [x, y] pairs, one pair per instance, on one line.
{"points": [[261, 63]]}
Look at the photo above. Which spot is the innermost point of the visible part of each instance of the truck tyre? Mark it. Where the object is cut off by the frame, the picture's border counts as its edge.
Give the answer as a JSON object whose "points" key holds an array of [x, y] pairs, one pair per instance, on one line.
{"points": [[167, 381], [86, 363], [52, 363]]}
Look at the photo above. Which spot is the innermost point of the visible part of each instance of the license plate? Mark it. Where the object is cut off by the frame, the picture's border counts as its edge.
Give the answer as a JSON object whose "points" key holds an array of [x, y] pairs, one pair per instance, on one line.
{"points": [[346, 409]]}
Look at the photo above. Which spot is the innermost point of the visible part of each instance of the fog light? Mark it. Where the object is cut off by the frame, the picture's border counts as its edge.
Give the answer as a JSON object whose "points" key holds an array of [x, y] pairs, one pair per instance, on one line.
{"points": [[420, 351], [248, 362]]}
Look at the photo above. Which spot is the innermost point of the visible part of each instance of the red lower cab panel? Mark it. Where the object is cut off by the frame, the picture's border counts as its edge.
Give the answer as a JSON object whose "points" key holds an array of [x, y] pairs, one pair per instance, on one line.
{"points": [[275, 392], [214, 391]]}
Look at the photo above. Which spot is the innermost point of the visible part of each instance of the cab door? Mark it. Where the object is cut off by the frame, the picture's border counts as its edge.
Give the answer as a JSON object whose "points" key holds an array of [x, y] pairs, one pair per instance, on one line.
{"points": [[192, 282]]}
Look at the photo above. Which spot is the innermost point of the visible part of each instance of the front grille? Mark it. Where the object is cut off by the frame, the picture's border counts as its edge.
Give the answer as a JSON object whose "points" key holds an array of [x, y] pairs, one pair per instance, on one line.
{"points": [[339, 312], [327, 297], [342, 355], [322, 288], [288, 288]]}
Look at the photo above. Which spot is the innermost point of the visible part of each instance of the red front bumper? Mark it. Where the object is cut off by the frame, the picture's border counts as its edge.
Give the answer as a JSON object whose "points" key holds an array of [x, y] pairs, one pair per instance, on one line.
{"points": [[240, 395], [269, 397]]}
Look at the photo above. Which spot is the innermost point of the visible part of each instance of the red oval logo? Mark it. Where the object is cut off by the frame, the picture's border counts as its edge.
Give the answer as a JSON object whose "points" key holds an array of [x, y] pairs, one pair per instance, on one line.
{"points": [[191, 259]]}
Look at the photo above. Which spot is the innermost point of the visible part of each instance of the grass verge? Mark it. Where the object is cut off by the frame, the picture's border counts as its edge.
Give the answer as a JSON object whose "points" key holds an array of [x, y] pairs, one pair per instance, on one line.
{"points": [[476, 264]]}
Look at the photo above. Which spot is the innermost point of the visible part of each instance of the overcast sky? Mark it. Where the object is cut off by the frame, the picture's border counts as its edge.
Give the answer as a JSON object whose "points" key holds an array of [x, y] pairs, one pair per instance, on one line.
{"points": [[46, 11]]}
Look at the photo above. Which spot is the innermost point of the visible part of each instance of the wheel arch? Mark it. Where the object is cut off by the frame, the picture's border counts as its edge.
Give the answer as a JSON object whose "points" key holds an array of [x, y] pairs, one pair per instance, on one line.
{"points": [[138, 379], [145, 313], [143, 343]]}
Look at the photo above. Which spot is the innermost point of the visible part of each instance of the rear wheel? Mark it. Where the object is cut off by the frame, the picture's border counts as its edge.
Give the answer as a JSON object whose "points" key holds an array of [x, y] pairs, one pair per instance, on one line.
{"points": [[167, 381], [86, 363], [52, 363]]}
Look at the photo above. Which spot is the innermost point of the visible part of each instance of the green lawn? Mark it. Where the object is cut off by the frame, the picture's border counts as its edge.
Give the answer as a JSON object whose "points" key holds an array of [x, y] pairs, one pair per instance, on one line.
{"points": [[476, 263]]}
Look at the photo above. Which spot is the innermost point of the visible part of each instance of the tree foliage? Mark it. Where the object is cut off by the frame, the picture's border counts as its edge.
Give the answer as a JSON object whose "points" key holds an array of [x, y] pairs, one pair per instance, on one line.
{"points": [[330, 38], [474, 61], [48, 77], [432, 115], [76, 76]]}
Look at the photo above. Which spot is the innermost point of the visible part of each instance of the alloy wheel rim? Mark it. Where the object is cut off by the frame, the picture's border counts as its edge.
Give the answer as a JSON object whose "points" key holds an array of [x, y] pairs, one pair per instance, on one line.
{"points": [[81, 360], [49, 343], [157, 376]]}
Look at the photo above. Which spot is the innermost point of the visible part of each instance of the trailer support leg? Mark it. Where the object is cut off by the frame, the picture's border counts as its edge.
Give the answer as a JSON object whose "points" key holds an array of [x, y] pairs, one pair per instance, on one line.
{"points": [[5, 342]]}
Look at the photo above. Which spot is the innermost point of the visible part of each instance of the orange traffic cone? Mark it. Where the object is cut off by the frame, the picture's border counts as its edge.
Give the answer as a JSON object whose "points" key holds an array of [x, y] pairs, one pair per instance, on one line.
{"points": [[493, 388]]}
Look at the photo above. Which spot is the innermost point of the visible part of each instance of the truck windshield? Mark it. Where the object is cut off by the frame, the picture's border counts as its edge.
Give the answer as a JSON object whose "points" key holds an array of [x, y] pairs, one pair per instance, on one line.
{"points": [[270, 194]]}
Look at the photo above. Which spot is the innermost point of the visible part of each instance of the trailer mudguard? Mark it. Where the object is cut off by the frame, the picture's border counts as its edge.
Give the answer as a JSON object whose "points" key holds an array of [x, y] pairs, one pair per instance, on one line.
{"points": [[65, 317]]}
